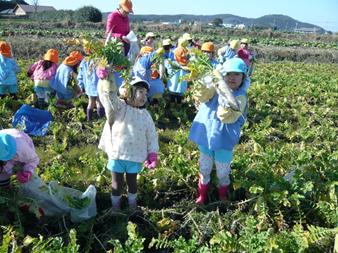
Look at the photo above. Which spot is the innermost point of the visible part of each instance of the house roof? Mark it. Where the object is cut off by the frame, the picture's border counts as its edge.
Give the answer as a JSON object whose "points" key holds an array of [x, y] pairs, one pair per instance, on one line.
{"points": [[31, 8], [7, 11]]}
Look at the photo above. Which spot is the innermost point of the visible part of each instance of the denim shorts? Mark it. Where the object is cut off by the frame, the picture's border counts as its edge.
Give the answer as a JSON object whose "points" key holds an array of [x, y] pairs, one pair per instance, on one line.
{"points": [[122, 166], [221, 155], [12, 89]]}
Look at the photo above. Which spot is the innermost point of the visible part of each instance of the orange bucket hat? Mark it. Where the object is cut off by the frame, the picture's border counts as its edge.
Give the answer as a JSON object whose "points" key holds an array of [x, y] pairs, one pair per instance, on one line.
{"points": [[146, 50], [52, 55], [74, 58], [181, 55], [127, 5], [5, 49]]}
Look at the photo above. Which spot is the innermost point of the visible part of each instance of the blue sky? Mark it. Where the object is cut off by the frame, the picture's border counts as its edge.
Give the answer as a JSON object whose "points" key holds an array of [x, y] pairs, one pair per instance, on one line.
{"points": [[323, 13]]}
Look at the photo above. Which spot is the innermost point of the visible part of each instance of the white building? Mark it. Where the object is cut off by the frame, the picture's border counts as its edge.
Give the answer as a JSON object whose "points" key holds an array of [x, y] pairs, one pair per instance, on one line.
{"points": [[23, 10]]}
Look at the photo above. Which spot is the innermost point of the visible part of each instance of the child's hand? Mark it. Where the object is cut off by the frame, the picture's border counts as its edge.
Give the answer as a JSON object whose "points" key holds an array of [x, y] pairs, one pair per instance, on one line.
{"points": [[151, 161], [102, 73], [23, 176]]}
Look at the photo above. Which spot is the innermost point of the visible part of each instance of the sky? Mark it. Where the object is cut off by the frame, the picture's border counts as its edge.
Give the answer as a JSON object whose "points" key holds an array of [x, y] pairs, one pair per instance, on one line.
{"points": [[323, 13]]}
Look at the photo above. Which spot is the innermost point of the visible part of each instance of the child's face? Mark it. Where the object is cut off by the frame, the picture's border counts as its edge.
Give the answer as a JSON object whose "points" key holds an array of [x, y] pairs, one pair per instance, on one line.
{"points": [[234, 79], [209, 54], [244, 45], [140, 97]]}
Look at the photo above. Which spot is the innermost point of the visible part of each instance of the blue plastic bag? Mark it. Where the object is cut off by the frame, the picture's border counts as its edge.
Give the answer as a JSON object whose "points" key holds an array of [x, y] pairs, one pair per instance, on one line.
{"points": [[32, 121]]}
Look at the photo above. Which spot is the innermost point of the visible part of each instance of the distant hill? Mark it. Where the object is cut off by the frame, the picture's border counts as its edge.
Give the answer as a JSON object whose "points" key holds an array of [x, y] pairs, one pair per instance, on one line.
{"points": [[275, 21]]}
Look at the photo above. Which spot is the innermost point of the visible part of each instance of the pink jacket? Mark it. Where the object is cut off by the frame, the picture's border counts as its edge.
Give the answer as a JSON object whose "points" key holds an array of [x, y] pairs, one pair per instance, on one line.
{"points": [[40, 74], [244, 55], [25, 157], [118, 24]]}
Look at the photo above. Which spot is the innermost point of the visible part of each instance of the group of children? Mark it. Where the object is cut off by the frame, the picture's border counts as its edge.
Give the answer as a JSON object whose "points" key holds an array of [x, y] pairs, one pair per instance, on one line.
{"points": [[129, 136]]}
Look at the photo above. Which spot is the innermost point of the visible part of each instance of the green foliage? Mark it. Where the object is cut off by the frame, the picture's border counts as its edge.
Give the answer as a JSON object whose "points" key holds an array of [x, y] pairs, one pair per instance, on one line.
{"points": [[88, 13], [283, 195], [134, 243]]}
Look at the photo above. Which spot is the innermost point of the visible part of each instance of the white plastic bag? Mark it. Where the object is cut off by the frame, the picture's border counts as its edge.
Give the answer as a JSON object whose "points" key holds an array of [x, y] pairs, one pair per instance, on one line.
{"points": [[134, 47], [131, 36], [57, 200]]}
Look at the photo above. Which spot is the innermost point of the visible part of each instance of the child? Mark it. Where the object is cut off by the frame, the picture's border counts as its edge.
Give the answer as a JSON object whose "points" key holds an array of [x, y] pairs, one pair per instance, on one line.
{"points": [[16, 152], [176, 86], [191, 43], [8, 70], [42, 72], [129, 136], [144, 69], [88, 80], [246, 55], [63, 82], [167, 46], [228, 52], [208, 48], [149, 40], [216, 130]]}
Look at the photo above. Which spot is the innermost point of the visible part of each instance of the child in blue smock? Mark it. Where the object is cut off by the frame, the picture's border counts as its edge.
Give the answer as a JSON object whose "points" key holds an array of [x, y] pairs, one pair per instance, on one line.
{"points": [[143, 69], [216, 129], [176, 70], [63, 82], [8, 70], [88, 79], [228, 52]]}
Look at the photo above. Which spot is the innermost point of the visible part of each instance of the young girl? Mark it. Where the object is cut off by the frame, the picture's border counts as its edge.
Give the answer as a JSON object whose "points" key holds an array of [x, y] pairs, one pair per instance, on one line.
{"points": [[8, 70], [144, 69], [88, 80], [129, 136], [228, 52], [247, 55], [149, 40], [16, 151], [42, 72], [63, 82], [216, 130], [208, 48], [176, 86]]}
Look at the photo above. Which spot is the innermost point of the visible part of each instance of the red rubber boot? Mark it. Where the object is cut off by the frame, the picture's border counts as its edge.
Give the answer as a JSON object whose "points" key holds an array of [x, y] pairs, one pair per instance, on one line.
{"points": [[202, 190], [223, 192]]}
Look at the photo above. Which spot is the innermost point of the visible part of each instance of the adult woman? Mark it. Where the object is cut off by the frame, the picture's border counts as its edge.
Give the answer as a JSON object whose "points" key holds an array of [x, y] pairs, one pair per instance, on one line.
{"points": [[118, 23]]}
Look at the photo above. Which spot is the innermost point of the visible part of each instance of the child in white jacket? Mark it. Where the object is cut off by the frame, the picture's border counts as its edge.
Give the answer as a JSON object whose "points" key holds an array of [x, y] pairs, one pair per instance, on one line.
{"points": [[129, 136]]}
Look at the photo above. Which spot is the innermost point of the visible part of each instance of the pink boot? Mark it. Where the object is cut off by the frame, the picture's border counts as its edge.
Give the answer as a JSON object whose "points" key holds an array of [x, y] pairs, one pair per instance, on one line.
{"points": [[223, 192], [202, 190]]}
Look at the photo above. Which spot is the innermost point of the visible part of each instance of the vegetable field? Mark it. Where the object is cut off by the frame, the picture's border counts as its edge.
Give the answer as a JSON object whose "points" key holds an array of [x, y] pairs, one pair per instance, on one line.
{"points": [[283, 195]]}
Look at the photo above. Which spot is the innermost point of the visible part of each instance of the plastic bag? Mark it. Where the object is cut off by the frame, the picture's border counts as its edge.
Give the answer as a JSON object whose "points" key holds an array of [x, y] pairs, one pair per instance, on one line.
{"points": [[134, 47], [32, 121], [57, 200]]}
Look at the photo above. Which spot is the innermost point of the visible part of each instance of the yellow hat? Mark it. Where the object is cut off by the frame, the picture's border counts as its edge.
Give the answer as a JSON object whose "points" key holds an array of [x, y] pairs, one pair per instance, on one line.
{"points": [[127, 5], [150, 35], [208, 47], [52, 55], [187, 36], [5, 49], [234, 44], [244, 41], [146, 50], [166, 42], [182, 42]]}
